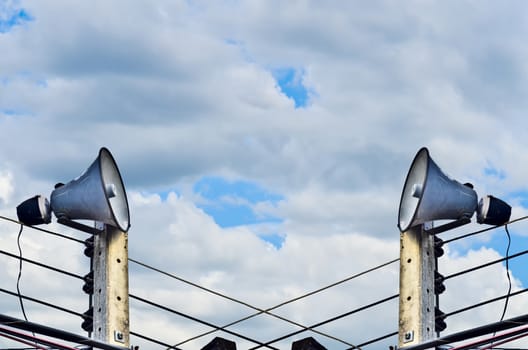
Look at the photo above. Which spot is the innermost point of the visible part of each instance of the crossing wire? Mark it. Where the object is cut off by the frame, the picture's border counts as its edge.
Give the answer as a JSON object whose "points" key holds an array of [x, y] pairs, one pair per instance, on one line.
{"points": [[196, 320], [306, 328], [266, 311]]}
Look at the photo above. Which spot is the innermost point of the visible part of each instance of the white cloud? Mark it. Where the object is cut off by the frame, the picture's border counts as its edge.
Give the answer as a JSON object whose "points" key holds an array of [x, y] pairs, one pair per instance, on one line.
{"points": [[162, 85], [6, 186]]}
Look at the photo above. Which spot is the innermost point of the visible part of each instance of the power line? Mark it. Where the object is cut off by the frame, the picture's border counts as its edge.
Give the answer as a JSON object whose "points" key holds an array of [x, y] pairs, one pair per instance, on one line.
{"points": [[22, 341], [196, 320], [484, 230], [38, 301], [56, 333], [261, 311], [152, 340], [489, 301], [362, 308], [486, 264], [375, 340], [471, 333], [46, 266], [43, 230], [14, 335]]}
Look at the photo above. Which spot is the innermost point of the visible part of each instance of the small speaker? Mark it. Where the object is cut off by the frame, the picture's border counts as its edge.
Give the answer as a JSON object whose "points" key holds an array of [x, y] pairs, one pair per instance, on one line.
{"points": [[98, 194], [34, 211], [493, 211], [429, 195]]}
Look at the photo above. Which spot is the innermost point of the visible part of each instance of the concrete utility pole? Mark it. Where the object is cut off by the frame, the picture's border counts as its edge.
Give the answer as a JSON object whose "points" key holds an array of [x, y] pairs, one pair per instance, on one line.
{"points": [[110, 298], [417, 296]]}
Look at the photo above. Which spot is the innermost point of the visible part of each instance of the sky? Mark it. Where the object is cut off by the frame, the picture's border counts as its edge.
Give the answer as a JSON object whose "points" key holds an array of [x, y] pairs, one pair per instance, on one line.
{"points": [[263, 146]]}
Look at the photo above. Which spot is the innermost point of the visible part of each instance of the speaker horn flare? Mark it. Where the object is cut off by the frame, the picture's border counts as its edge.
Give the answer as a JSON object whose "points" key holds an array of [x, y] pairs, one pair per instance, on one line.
{"points": [[429, 194], [98, 194]]}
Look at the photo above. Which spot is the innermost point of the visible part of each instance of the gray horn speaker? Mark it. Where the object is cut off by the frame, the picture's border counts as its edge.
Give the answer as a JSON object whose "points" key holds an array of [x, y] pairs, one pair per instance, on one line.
{"points": [[429, 194], [98, 194]]}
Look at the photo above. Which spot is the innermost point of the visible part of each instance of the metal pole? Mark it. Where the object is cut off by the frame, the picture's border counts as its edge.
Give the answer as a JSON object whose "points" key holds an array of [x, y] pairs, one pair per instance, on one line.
{"points": [[417, 297], [110, 298]]}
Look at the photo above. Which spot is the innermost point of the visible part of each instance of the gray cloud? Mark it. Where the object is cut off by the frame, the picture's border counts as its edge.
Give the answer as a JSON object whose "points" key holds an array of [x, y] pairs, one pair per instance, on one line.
{"points": [[183, 90]]}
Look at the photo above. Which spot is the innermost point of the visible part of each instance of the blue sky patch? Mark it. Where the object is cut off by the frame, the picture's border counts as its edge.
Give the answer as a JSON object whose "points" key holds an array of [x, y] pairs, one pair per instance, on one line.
{"points": [[494, 172], [10, 18], [275, 239], [233, 203], [290, 82], [519, 197]]}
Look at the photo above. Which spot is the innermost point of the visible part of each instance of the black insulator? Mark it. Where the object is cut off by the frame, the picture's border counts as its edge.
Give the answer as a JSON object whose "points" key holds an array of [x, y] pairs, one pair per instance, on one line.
{"points": [[87, 323], [88, 286], [438, 250], [89, 250], [440, 324]]}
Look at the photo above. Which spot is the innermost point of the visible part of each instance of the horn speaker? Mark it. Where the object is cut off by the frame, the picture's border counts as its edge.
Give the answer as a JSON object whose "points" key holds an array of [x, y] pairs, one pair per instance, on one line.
{"points": [[98, 194], [429, 195]]}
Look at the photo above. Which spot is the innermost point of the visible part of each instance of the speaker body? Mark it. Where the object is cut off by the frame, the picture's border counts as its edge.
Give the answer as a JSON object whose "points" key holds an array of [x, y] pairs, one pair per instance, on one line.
{"points": [[98, 194], [429, 194]]}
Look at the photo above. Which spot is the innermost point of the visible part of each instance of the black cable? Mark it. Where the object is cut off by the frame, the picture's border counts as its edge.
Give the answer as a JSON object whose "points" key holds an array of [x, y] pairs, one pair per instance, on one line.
{"points": [[471, 333], [38, 301], [484, 230], [20, 273], [43, 230], [196, 320], [261, 311], [56, 333], [482, 303], [49, 267], [362, 308], [376, 340], [152, 340], [507, 273], [456, 274]]}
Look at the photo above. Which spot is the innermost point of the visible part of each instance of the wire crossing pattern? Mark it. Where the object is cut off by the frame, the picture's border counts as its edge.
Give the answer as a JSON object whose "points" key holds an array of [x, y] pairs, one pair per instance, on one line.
{"points": [[32, 340]]}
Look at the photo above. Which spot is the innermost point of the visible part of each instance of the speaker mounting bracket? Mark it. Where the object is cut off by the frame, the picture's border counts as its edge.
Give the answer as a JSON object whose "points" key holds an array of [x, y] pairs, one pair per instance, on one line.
{"points": [[78, 226], [449, 226]]}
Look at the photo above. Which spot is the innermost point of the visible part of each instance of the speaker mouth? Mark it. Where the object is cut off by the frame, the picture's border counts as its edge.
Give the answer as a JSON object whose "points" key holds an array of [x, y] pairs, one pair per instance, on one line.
{"points": [[98, 194], [115, 193], [415, 183]]}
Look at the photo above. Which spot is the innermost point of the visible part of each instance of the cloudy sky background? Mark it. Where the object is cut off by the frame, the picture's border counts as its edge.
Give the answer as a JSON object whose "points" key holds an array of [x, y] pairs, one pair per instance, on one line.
{"points": [[264, 146]]}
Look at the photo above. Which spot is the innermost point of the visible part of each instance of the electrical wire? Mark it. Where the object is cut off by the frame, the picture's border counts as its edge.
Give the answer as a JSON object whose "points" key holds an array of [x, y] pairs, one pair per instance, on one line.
{"points": [[308, 328], [60, 235], [471, 333], [49, 267], [456, 274], [485, 230], [489, 301], [507, 273], [319, 324], [20, 273], [513, 338], [519, 333], [41, 302], [162, 307], [56, 333], [267, 311], [375, 340], [152, 340], [260, 311], [22, 341], [36, 340]]}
